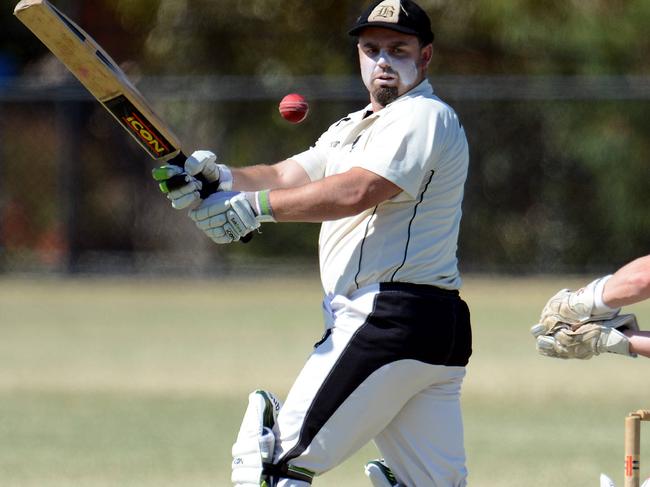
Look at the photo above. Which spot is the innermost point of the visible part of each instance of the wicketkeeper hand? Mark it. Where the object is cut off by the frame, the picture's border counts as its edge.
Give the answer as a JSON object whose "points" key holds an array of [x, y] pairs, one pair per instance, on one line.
{"points": [[226, 217], [200, 162], [575, 307], [583, 341]]}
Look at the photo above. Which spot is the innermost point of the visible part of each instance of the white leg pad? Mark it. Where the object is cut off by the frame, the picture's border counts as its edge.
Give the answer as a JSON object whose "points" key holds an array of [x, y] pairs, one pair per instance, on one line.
{"points": [[255, 441]]}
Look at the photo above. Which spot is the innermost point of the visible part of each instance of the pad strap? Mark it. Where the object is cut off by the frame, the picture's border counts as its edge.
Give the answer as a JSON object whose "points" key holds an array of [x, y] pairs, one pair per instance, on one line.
{"points": [[288, 472]]}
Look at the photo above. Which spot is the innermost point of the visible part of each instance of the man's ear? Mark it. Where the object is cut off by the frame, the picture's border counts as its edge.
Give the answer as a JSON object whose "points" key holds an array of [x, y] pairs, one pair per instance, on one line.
{"points": [[427, 55]]}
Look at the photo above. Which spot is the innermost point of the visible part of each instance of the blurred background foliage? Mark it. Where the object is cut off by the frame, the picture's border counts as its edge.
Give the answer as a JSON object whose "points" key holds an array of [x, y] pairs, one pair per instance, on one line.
{"points": [[558, 179]]}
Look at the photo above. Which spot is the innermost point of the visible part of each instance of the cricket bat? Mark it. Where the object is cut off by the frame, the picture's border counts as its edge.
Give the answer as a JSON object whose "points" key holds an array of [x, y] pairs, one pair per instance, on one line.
{"points": [[101, 76]]}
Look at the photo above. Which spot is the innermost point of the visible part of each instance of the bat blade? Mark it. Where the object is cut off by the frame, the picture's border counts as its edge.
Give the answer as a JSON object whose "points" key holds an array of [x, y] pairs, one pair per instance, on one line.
{"points": [[101, 76]]}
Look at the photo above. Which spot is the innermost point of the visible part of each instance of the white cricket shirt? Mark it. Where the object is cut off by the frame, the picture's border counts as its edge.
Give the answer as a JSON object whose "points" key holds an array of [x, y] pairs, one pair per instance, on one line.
{"points": [[417, 143]]}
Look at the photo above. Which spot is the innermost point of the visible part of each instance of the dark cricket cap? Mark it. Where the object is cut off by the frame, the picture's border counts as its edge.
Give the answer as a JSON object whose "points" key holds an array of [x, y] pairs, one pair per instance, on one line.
{"points": [[403, 16]]}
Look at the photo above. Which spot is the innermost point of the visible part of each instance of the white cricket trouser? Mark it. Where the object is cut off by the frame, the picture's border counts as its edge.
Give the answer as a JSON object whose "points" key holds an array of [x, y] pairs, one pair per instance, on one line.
{"points": [[389, 368]]}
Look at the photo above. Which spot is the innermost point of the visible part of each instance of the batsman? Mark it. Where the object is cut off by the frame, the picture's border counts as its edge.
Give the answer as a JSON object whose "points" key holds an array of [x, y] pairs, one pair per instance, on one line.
{"points": [[387, 183]]}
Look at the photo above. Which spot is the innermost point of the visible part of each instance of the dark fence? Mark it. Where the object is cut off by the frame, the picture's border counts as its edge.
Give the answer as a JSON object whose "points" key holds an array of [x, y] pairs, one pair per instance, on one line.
{"points": [[558, 180]]}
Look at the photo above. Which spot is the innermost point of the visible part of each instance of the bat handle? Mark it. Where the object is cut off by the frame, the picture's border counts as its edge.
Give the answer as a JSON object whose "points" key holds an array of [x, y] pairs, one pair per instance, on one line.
{"points": [[207, 187]]}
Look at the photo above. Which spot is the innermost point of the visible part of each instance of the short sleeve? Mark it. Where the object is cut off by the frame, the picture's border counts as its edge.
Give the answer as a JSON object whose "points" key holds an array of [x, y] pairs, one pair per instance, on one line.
{"points": [[313, 161], [405, 147], [401, 149]]}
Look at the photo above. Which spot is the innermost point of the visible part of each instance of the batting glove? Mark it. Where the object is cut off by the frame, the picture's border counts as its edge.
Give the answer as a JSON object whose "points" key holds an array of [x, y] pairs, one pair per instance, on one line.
{"points": [[226, 217], [188, 192]]}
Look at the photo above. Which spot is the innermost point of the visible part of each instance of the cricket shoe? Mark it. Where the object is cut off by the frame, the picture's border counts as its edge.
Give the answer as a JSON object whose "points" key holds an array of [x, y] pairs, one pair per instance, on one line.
{"points": [[380, 475]]}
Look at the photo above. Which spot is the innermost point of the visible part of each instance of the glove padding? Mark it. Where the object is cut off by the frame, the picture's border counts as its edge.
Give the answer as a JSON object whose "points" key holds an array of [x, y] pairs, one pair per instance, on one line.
{"points": [[583, 341], [575, 308], [202, 163], [226, 217]]}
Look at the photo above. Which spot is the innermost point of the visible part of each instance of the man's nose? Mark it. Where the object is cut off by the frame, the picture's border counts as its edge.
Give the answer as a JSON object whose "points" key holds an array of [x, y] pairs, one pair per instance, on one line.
{"points": [[383, 60]]}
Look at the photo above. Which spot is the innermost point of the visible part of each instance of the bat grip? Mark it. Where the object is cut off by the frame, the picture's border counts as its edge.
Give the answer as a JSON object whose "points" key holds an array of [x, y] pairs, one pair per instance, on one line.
{"points": [[207, 187]]}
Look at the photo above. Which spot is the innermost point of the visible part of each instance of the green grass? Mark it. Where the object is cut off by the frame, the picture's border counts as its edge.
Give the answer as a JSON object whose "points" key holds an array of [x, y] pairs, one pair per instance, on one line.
{"points": [[143, 383]]}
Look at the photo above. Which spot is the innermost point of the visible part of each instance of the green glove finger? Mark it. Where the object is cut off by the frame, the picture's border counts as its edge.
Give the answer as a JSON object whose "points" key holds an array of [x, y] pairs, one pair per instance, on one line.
{"points": [[163, 173], [163, 187], [175, 182]]}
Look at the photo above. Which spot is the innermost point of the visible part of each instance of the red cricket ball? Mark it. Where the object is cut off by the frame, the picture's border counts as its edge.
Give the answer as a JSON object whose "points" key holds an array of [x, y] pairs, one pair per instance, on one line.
{"points": [[294, 108]]}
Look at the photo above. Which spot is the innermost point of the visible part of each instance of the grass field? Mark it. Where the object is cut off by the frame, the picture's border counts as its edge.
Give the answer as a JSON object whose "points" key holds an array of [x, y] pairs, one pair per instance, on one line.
{"points": [[143, 383]]}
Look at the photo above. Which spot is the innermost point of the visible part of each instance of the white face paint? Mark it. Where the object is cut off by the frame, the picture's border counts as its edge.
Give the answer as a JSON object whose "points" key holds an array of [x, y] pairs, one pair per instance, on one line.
{"points": [[403, 71]]}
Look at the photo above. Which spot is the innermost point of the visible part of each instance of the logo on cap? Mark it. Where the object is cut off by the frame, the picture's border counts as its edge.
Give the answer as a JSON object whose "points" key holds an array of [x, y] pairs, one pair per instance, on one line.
{"points": [[387, 11]]}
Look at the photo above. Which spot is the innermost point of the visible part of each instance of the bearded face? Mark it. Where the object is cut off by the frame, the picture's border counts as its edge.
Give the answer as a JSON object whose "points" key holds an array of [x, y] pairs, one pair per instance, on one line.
{"points": [[391, 63]]}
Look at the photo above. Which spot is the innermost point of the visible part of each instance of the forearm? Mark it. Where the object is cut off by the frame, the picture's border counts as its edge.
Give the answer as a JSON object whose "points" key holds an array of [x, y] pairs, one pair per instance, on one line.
{"points": [[227, 217], [285, 174], [629, 285], [639, 342], [332, 198]]}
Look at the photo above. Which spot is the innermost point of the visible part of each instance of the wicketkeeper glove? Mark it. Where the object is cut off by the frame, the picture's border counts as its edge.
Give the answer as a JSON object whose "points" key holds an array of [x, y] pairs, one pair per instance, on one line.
{"points": [[181, 185], [227, 217], [583, 341], [575, 307]]}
